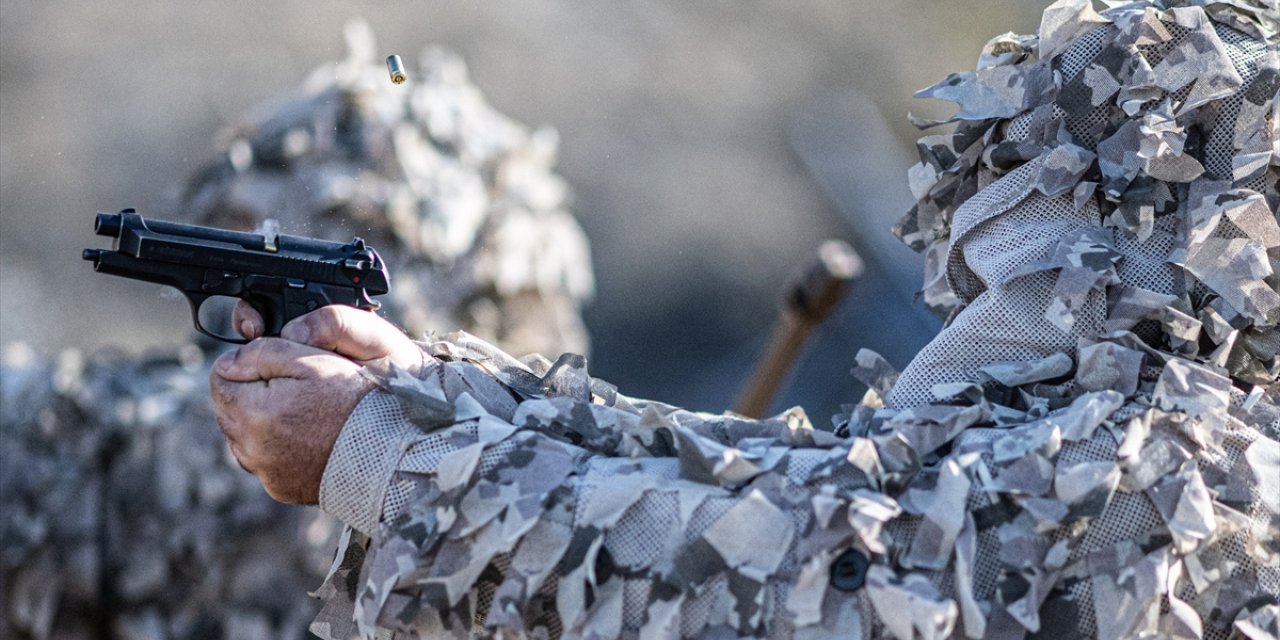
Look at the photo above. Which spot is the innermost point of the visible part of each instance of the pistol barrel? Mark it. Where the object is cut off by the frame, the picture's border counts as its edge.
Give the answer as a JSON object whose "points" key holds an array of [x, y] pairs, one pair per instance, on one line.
{"points": [[108, 224]]}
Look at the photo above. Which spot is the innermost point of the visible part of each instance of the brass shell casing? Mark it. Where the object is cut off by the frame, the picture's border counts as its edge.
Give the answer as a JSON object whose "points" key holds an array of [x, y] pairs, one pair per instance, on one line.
{"points": [[395, 67]]}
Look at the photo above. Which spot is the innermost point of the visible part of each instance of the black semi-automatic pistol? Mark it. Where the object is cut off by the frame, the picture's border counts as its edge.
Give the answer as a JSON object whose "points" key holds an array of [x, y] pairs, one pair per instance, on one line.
{"points": [[282, 277]]}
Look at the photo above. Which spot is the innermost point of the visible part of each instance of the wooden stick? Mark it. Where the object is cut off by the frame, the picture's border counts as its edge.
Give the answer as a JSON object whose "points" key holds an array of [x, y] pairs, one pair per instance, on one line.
{"points": [[809, 300]]}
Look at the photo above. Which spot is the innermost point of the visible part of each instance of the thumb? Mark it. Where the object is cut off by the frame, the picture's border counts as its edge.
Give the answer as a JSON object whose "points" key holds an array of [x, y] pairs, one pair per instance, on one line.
{"points": [[267, 359], [357, 334]]}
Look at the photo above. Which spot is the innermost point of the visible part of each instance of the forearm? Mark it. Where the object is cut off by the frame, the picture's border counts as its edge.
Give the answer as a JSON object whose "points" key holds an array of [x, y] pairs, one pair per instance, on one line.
{"points": [[589, 499], [523, 498]]}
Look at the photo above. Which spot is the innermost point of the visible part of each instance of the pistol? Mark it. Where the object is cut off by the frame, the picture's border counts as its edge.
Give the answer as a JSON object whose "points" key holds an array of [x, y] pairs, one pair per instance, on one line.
{"points": [[281, 276]]}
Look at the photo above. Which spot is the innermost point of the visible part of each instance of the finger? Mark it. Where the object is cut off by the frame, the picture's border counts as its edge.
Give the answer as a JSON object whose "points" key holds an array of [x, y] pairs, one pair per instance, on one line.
{"points": [[225, 408], [222, 393], [229, 416], [243, 409], [354, 333], [267, 359], [239, 457], [237, 407], [247, 320]]}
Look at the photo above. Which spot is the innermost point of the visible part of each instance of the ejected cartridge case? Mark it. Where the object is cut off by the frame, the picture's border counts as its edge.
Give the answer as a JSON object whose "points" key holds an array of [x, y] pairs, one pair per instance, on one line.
{"points": [[395, 67]]}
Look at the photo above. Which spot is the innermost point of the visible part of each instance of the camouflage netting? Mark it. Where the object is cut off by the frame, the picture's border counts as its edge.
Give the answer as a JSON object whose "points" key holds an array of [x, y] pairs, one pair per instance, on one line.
{"points": [[124, 514], [1090, 449], [126, 517], [459, 199], [1112, 180]]}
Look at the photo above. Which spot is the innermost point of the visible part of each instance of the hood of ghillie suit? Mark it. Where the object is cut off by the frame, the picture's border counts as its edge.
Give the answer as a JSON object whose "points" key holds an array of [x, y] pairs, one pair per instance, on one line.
{"points": [[461, 201], [1106, 203]]}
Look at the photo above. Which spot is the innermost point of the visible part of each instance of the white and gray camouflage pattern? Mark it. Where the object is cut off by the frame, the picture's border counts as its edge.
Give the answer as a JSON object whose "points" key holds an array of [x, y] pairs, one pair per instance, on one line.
{"points": [[1090, 448]]}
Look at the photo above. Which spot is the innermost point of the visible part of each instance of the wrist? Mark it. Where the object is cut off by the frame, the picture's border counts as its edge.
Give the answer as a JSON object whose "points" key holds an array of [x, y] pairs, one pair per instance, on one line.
{"points": [[363, 459]]}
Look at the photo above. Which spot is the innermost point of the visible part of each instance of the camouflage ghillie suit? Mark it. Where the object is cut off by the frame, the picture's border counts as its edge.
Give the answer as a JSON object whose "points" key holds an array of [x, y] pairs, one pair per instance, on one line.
{"points": [[124, 514], [1088, 449]]}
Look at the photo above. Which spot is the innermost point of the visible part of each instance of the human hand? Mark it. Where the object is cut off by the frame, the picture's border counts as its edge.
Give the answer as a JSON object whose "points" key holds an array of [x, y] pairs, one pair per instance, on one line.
{"points": [[281, 402], [280, 406], [360, 335]]}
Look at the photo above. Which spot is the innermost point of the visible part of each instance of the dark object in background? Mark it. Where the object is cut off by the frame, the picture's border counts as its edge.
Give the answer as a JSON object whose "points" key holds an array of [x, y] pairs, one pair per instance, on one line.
{"points": [[810, 299]]}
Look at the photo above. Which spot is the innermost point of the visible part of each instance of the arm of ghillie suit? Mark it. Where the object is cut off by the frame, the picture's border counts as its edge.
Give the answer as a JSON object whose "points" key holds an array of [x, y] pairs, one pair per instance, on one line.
{"points": [[540, 501], [493, 497]]}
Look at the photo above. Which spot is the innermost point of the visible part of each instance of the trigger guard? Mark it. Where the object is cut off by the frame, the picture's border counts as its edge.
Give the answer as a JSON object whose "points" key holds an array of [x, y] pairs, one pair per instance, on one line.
{"points": [[196, 301]]}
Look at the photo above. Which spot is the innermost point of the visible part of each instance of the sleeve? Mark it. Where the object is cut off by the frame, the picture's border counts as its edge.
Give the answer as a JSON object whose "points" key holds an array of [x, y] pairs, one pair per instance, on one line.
{"points": [[364, 458], [489, 495], [500, 498]]}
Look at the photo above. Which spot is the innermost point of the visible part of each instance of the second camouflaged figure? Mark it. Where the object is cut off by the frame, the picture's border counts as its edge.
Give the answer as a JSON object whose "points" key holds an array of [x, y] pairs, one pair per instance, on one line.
{"points": [[460, 199], [1088, 449]]}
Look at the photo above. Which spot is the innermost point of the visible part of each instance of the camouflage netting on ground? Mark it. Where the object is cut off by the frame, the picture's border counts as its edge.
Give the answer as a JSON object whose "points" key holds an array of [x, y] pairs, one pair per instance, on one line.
{"points": [[124, 514]]}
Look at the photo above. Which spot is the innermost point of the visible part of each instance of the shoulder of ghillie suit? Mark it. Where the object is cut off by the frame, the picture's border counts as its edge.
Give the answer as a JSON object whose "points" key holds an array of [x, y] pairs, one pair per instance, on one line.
{"points": [[1150, 110]]}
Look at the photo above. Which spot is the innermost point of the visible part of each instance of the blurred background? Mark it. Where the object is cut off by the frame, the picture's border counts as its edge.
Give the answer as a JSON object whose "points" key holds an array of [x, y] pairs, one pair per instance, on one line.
{"points": [[710, 146]]}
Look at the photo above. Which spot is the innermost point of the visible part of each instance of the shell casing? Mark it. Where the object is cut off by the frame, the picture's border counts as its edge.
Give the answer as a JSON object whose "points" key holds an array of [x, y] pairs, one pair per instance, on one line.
{"points": [[395, 67]]}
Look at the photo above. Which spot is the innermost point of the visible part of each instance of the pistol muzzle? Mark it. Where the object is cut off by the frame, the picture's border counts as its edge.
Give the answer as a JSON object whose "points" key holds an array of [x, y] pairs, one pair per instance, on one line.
{"points": [[107, 224]]}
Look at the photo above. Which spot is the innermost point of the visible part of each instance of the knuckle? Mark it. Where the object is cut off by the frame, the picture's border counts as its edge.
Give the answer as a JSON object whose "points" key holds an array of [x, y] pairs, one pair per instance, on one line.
{"points": [[223, 398], [250, 352], [244, 466], [330, 326], [272, 348], [313, 326], [237, 454], [226, 425]]}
